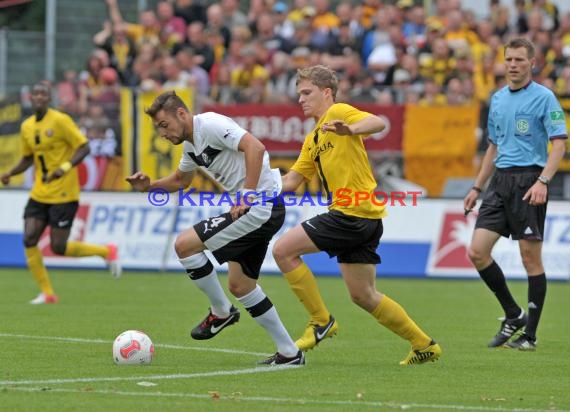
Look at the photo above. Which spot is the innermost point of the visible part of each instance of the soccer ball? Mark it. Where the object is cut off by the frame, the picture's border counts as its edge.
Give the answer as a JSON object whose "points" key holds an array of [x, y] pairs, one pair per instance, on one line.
{"points": [[133, 347]]}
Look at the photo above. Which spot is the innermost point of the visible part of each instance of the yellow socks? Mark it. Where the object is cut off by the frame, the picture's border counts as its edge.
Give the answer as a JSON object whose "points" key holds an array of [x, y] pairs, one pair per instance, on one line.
{"points": [[80, 249], [304, 285], [393, 316], [36, 265]]}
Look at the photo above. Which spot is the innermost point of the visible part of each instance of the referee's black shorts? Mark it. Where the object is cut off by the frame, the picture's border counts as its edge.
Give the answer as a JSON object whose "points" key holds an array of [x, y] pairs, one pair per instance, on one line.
{"points": [[503, 209], [351, 239]]}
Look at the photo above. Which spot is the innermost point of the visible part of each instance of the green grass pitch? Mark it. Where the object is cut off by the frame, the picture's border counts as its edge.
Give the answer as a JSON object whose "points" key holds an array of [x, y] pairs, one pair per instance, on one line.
{"points": [[58, 357]]}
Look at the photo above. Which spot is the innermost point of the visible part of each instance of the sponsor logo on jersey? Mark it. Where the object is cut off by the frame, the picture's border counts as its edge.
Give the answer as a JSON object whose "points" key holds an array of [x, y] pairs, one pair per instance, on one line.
{"points": [[557, 116]]}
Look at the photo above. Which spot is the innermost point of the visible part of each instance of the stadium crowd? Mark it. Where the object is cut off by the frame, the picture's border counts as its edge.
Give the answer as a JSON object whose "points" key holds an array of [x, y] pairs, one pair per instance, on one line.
{"points": [[385, 52]]}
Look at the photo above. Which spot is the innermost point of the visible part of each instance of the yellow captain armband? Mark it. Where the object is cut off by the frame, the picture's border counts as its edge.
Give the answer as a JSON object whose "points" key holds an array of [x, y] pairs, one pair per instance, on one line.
{"points": [[66, 167]]}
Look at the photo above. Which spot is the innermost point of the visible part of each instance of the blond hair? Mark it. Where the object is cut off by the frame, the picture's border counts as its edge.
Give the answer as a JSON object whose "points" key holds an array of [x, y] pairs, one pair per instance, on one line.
{"points": [[321, 76]]}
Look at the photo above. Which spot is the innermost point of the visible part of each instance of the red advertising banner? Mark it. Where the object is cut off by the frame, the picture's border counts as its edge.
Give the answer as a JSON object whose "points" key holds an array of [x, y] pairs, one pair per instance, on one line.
{"points": [[282, 128]]}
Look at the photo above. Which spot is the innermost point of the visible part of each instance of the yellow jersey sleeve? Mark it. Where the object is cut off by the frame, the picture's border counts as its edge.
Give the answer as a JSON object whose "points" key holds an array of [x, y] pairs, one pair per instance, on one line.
{"points": [[304, 164], [348, 114], [26, 148], [71, 132]]}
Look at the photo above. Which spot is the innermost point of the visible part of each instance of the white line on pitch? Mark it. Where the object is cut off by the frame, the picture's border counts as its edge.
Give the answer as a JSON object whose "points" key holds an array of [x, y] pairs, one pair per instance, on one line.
{"points": [[158, 345], [148, 377], [266, 399]]}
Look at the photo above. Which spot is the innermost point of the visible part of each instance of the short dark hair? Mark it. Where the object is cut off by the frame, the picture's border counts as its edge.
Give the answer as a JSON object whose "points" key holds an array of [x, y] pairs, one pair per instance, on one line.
{"points": [[43, 84], [167, 101], [321, 76], [519, 42]]}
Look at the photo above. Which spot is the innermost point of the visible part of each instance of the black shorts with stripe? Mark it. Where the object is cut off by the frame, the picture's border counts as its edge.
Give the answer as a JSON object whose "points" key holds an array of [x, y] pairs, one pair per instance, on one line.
{"points": [[503, 209], [351, 239], [58, 215], [244, 240]]}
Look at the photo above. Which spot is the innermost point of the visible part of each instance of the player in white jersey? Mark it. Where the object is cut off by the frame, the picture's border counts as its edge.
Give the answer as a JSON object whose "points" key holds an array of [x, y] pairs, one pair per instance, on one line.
{"points": [[239, 162]]}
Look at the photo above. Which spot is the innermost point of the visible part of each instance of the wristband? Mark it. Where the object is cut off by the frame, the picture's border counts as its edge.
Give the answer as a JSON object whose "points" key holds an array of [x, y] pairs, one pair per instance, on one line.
{"points": [[66, 167], [477, 189]]}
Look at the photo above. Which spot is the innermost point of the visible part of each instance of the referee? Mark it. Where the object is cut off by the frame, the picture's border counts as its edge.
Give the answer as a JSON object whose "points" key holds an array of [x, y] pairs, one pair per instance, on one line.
{"points": [[524, 117]]}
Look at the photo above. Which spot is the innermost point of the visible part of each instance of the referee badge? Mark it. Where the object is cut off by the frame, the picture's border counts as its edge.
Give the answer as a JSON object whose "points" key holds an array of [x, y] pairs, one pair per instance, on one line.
{"points": [[557, 117], [522, 126]]}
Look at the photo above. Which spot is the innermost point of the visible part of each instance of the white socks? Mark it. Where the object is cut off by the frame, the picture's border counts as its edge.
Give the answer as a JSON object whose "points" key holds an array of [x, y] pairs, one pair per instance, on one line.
{"points": [[271, 322], [209, 284]]}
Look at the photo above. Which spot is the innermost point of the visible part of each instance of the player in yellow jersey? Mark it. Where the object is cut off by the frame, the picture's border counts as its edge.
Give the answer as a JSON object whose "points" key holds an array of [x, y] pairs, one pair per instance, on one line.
{"points": [[54, 145], [352, 228]]}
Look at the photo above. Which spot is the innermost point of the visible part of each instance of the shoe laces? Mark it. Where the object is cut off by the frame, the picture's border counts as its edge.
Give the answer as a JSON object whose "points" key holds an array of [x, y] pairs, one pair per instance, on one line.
{"points": [[209, 319], [274, 358], [420, 356], [279, 359], [508, 328]]}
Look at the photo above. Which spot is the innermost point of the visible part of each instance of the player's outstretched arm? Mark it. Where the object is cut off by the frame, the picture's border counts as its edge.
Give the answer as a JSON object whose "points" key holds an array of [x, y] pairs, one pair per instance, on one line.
{"points": [[368, 125], [291, 181], [139, 181], [177, 180], [80, 154], [253, 151], [23, 165]]}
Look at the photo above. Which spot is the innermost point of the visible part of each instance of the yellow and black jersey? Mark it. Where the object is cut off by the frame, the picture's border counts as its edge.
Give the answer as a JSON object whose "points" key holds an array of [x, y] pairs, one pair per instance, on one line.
{"points": [[52, 141], [342, 165]]}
